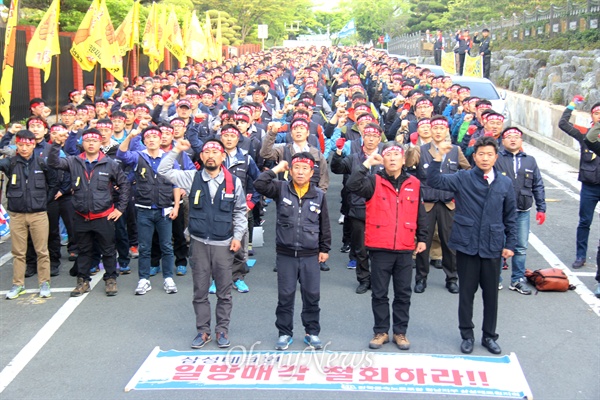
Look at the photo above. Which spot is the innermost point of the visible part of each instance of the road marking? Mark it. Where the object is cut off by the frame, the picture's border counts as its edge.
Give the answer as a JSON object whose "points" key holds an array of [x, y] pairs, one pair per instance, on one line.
{"points": [[586, 294], [592, 274], [565, 189], [16, 365], [5, 258], [53, 290]]}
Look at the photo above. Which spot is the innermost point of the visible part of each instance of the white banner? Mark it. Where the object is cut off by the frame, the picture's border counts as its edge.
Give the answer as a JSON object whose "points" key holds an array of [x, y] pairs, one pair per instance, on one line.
{"points": [[326, 370]]}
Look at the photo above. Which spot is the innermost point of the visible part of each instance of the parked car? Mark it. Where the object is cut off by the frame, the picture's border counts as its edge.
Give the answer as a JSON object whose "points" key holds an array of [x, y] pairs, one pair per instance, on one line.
{"points": [[436, 69], [485, 89]]}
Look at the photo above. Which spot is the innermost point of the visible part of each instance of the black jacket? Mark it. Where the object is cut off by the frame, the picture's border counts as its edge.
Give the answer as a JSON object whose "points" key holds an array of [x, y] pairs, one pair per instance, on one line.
{"points": [[31, 184], [299, 234], [93, 193], [589, 163], [528, 181]]}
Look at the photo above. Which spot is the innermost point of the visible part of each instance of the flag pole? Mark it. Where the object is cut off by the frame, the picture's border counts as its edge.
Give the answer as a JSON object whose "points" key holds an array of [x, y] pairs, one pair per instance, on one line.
{"points": [[95, 73], [128, 60], [101, 82], [57, 83], [137, 72]]}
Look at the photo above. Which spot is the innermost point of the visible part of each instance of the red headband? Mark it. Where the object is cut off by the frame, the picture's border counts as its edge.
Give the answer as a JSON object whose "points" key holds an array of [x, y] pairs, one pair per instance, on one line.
{"points": [[407, 87], [371, 131], [69, 112], [178, 123], [484, 107], [462, 90], [166, 129], [57, 128], [118, 117], [153, 131], [300, 122], [33, 105], [392, 148], [37, 121], [364, 117], [513, 131], [242, 117], [439, 122], [303, 160], [141, 109], [597, 108], [24, 140], [230, 130], [104, 125], [495, 117], [90, 135], [426, 102], [362, 108], [213, 145], [424, 121]]}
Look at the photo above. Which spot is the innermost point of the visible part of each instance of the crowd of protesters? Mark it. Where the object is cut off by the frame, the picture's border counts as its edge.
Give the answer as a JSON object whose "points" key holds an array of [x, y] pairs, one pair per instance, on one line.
{"points": [[177, 168]]}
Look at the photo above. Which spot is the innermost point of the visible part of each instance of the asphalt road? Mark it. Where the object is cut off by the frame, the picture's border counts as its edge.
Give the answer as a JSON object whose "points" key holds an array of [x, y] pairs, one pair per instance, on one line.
{"points": [[103, 342]]}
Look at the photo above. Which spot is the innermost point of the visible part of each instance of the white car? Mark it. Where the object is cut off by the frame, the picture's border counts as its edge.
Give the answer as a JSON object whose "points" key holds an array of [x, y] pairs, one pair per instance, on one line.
{"points": [[436, 69], [485, 89]]}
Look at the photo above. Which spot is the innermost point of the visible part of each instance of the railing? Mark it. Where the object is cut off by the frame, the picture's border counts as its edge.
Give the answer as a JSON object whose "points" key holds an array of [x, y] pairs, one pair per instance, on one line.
{"points": [[551, 22]]}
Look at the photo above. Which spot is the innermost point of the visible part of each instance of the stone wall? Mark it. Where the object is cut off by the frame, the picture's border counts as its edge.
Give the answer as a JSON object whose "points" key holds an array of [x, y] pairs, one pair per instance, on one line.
{"points": [[554, 76]]}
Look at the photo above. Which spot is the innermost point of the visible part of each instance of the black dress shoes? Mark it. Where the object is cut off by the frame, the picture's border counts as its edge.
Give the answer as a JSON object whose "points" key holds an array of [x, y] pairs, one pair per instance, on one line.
{"points": [[491, 345], [363, 287], [452, 287], [467, 346], [420, 286]]}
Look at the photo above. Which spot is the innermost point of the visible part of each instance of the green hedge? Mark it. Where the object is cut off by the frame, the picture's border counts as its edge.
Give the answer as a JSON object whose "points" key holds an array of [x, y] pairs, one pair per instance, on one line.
{"points": [[578, 40]]}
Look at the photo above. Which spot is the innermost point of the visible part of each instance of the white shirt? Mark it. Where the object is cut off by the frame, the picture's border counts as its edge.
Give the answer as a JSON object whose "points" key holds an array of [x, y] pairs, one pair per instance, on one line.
{"points": [[490, 176]]}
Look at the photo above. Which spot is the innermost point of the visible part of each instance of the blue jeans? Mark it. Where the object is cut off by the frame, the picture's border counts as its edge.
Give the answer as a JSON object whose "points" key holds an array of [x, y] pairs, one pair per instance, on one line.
{"points": [[518, 260], [589, 197], [148, 221]]}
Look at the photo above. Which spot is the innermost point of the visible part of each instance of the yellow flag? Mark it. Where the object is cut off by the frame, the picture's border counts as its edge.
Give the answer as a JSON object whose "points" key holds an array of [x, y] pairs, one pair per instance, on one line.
{"points": [[84, 49], [219, 42], [195, 40], [210, 41], [10, 40], [44, 43], [95, 41], [448, 63], [159, 56], [110, 55], [473, 66], [150, 38], [174, 40], [128, 33]]}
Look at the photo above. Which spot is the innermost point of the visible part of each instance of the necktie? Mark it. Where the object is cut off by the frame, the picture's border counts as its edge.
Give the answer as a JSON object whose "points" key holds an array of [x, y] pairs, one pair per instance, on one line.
{"points": [[485, 178]]}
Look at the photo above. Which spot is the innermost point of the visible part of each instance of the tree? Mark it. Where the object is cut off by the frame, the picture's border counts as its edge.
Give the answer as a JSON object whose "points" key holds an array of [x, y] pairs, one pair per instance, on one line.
{"points": [[425, 13], [250, 13], [230, 31], [376, 17]]}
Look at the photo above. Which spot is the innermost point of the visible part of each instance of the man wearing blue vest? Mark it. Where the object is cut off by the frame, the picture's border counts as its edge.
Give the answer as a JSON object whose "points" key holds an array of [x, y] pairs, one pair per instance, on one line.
{"points": [[217, 222], [155, 203]]}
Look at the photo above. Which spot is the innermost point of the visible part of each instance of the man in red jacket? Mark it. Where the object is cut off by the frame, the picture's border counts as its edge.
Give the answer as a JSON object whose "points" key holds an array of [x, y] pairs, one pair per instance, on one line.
{"points": [[394, 216]]}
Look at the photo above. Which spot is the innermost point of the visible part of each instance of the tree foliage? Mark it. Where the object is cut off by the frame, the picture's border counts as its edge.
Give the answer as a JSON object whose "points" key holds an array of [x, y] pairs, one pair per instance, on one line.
{"points": [[373, 18], [377, 17], [230, 31]]}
